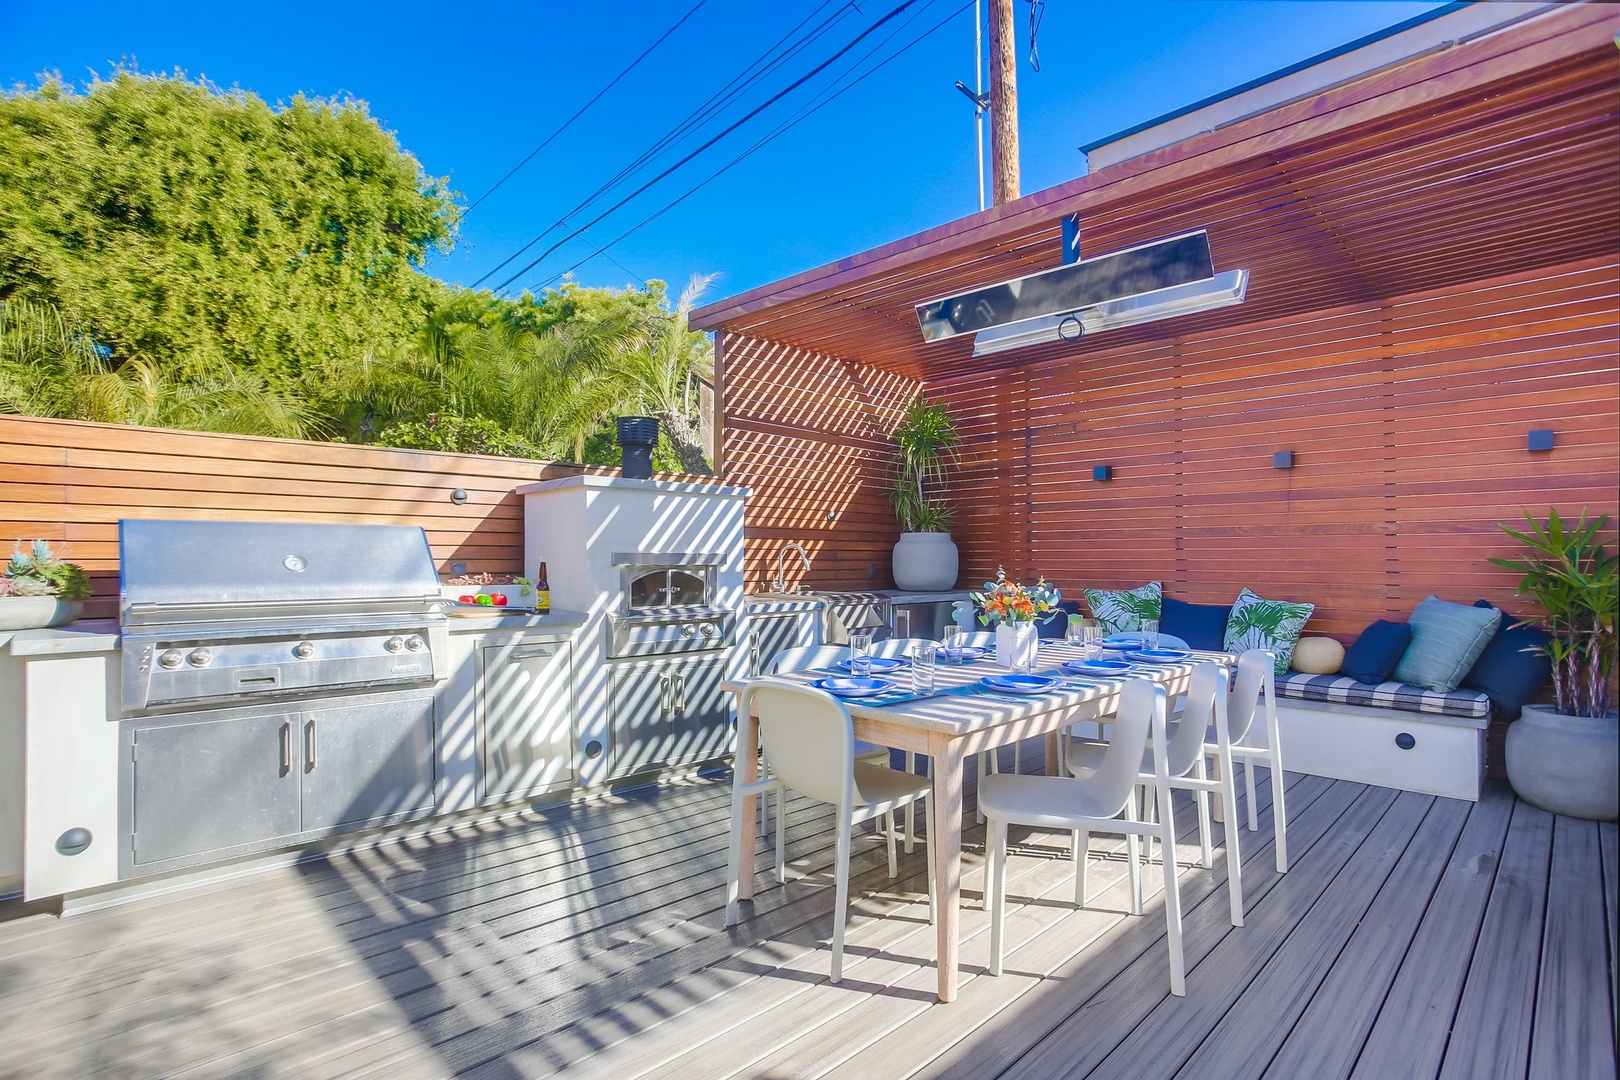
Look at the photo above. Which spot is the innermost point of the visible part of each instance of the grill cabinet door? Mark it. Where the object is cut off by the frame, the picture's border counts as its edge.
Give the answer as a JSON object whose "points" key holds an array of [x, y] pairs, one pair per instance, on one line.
{"points": [[643, 727], [364, 763], [528, 718], [770, 633], [211, 786], [702, 711]]}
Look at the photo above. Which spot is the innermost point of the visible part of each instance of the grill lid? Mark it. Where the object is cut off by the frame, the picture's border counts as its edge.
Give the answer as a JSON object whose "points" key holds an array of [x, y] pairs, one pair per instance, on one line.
{"points": [[167, 566]]}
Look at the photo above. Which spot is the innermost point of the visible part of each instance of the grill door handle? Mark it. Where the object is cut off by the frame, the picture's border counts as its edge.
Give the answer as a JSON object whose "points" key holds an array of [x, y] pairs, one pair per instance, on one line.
{"points": [[664, 695], [286, 748], [309, 745], [530, 654], [680, 692]]}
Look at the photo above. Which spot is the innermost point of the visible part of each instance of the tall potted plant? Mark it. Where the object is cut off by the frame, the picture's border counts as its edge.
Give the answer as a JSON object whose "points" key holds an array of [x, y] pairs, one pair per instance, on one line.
{"points": [[1566, 758], [925, 444]]}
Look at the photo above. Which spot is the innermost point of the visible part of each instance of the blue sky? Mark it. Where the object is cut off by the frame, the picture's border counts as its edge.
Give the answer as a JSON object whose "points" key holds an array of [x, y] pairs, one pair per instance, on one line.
{"points": [[471, 89]]}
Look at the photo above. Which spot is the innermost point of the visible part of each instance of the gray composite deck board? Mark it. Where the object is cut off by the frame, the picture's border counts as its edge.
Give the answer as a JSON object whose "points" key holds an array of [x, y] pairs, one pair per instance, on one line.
{"points": [[587, 939]]}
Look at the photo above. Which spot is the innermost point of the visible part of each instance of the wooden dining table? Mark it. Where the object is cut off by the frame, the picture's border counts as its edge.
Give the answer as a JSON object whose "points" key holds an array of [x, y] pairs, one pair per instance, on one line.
{"points": [[949, 726]]}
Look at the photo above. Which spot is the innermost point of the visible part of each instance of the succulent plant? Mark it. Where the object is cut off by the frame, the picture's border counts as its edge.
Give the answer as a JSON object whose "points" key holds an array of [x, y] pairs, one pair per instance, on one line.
{"points": [[40, 571]]}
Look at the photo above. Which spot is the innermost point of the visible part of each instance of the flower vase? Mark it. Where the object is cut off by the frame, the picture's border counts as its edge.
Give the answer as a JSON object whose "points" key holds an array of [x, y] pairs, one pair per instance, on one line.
{"points": [[1017, 645]]}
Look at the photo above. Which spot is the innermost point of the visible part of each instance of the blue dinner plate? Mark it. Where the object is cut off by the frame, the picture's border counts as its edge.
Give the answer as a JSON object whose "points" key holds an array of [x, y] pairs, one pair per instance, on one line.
{"points": [[1021, 684], [1096, 667], [1122, 642], [964, 654], [853, 687], [1160, 655], [880, 664]]}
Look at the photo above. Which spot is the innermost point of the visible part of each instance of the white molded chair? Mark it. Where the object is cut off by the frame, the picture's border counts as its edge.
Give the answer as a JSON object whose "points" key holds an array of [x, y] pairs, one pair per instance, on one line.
{"points": [[978, 639], [1204, 710], [1256, 678], [806, 658], [1091, 805], [812, 741], [900, 646]]}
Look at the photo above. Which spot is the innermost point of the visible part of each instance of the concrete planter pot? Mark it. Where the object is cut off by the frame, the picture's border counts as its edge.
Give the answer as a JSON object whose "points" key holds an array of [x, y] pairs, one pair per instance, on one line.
{"points": [[37, 612], [1566, 764], [925, 562]]}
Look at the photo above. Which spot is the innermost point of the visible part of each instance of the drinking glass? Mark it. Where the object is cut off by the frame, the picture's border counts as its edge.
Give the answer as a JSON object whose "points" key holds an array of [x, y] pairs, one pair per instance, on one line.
{"points": [[950, 645], [1091, 636], [860, 652], [1074, 634], [922, 668], [1150, 633]]}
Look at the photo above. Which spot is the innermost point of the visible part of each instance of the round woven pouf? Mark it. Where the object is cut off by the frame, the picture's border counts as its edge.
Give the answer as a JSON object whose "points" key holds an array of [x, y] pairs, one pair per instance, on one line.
{"points": [[1318, 656]]}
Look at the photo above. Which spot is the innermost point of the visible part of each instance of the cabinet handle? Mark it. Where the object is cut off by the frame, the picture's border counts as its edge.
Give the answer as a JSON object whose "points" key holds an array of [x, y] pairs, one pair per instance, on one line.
{"points": [[530, 654], [680, 692], [309, 745], [663, 696], [753, 653], [286, 748]]}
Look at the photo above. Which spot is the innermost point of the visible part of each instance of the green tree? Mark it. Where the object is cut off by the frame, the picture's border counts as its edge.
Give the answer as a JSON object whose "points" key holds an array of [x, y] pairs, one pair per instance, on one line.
{"points": [[203, 229]]}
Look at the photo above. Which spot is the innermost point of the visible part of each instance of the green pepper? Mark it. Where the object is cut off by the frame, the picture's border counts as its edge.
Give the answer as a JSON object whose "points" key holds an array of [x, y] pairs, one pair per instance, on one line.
{"points": [[485, 600]]}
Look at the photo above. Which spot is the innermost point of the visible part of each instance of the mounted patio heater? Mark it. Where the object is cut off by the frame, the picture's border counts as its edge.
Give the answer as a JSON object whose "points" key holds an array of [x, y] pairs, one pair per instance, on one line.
{"points": [[1138, 285]]}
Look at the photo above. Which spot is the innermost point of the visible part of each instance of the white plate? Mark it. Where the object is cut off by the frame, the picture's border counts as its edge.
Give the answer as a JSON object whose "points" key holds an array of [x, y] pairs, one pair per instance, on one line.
{"points": [[962, 656], [1159, 655], [853, 687], [1021, 684]]}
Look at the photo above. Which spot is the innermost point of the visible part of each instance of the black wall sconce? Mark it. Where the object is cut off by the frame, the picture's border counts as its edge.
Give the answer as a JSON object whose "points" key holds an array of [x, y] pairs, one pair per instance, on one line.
{"points": [[1282, 459], [1540, 439], [1102, 472], [459, 496]]}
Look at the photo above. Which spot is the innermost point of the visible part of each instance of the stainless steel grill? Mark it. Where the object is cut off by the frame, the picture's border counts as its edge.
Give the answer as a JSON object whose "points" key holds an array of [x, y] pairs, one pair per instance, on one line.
{"points": [[228, 611]]}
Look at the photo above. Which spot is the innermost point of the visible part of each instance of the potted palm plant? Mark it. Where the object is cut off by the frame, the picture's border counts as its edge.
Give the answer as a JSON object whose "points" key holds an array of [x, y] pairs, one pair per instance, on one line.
{"points": [[1566, 757], [925, 444], [39, 589]]}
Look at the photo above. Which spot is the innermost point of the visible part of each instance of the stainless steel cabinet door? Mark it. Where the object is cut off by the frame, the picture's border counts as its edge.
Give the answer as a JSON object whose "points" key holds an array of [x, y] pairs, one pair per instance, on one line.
{"points": [[643, 697], [212, 786], [365, 763], [526, 728], [702, 712], [772, 633]]}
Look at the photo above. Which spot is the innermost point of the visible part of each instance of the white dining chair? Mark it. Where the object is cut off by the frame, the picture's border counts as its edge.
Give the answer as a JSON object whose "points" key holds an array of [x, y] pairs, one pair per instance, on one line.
{"points": [[1203, 710], [898, 648], [1254, 683], [809, 658], [1092, 804], [811, 739]]}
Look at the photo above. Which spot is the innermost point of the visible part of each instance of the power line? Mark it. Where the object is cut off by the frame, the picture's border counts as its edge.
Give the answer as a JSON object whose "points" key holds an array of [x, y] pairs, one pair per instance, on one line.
{"points": [[782, 129], [583, 107], [818, 69], [692, 120]]}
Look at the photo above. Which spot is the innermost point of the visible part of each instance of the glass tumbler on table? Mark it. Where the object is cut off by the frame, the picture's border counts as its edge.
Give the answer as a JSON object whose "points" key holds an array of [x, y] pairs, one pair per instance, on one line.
{"points": [[1150, 633], [922, 668], [1074, 633], [950, 645], [860, 653]]}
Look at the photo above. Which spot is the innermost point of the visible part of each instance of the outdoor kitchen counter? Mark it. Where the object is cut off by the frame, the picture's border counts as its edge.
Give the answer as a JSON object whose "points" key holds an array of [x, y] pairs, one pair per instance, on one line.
{"points": [[84, 636], [499, 621]]}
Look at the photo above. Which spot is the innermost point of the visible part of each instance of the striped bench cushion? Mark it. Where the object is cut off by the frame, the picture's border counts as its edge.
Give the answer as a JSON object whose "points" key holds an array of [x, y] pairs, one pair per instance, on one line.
{"points": [[1343, 690]]}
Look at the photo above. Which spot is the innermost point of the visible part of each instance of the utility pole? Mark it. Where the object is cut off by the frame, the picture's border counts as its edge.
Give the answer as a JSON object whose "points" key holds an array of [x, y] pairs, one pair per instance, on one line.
{"points": [[1003, 103], [978, 92]]}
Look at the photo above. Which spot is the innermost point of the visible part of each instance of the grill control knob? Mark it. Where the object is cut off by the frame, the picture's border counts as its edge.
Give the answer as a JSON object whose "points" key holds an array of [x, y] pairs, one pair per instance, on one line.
{"points": [[415, 643], [303, 650], [199, 657], [394, 644], [687, 630], [708, 629], [171, 659]]}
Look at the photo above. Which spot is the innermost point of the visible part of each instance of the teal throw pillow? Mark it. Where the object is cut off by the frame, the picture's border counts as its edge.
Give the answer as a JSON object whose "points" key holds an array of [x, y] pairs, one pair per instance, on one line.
{"points": [[1446, 640], [1273, 625], [1121, 612]]}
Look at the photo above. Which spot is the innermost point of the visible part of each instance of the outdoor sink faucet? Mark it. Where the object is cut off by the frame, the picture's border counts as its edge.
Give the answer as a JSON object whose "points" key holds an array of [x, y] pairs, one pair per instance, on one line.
{"points": [[780, 584]]}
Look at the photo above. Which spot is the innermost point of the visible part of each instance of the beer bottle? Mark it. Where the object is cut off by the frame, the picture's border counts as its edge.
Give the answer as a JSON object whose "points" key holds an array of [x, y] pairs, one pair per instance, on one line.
{"points": [[542, 591]]}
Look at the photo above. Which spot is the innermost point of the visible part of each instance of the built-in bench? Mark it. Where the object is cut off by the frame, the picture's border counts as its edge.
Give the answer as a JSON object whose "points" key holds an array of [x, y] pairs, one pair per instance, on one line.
{"points": [[1385, 734]]}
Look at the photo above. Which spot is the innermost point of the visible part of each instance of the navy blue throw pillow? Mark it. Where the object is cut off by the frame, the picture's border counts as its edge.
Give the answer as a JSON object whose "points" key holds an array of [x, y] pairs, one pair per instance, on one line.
{"points": [[1373, 655], [1512, 668], [1058, 624], [1201, 626]]}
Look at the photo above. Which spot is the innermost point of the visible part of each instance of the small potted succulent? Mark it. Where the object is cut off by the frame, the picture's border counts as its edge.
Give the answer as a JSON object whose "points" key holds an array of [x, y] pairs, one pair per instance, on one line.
{"points": [[39, 589]]}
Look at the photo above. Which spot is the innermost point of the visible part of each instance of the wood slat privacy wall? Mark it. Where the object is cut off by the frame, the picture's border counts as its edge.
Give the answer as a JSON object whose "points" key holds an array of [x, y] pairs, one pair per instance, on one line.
{"points": [[71, 482], [809, 435], [1435, 258]]}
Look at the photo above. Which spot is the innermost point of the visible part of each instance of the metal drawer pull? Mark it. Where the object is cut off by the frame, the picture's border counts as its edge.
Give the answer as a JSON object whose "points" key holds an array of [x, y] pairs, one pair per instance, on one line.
{"points": [[531, 654], [309, 745]]}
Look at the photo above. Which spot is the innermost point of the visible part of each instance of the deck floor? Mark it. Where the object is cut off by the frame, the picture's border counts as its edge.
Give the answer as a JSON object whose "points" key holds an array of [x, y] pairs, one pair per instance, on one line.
{"points": [[1411, 937]]}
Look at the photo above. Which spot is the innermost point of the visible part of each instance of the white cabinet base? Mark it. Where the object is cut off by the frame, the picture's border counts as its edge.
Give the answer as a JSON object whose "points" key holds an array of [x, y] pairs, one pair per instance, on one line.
{"points": [[1446, 755]]}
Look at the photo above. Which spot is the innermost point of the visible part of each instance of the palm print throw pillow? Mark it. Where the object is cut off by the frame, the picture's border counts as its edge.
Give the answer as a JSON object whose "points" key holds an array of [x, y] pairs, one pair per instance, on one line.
{"points": [[1120, 612], [1273, 625]]}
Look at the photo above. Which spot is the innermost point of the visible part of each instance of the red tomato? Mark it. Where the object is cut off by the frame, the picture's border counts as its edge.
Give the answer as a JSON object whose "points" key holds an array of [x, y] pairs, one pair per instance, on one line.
{"points": [[498, 599], [467, 599]]}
